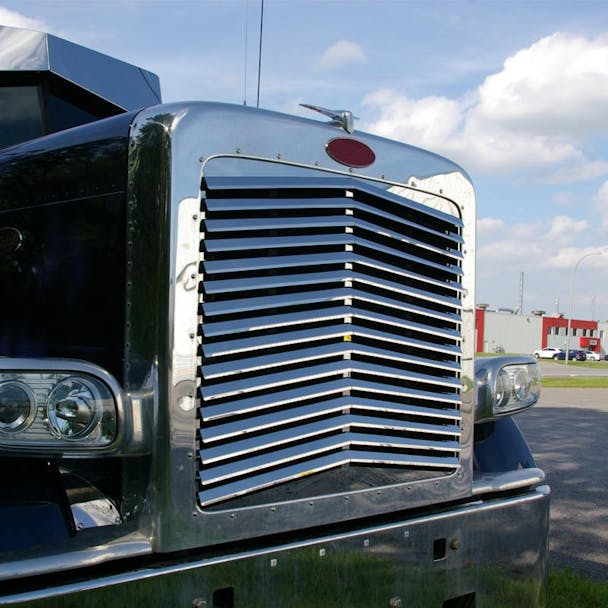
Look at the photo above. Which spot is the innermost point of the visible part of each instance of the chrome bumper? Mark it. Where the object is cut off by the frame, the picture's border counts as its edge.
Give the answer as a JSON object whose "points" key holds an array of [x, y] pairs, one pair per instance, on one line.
{"points": [[493, 549]]}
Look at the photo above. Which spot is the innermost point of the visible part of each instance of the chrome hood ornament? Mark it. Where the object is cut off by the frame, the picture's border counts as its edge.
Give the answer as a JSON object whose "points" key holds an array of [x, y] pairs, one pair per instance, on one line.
{"points": [[341, 118]]}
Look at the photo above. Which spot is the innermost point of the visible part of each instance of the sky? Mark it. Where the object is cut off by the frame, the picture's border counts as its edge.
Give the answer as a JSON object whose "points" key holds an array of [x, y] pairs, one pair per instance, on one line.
{"points": [[515, 91]]}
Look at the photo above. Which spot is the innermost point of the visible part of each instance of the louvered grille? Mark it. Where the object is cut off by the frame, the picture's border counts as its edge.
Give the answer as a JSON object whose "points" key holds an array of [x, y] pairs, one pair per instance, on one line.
{"points": [[330, 333]]}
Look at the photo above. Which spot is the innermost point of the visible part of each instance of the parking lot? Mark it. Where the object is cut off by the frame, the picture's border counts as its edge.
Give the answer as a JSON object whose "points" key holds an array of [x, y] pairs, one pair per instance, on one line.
{"points": [[568, 434]]}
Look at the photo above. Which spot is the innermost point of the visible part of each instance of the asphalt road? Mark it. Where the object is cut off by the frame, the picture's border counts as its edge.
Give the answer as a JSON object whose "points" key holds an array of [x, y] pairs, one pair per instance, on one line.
{"points": [[550, 368], [568, 433]]}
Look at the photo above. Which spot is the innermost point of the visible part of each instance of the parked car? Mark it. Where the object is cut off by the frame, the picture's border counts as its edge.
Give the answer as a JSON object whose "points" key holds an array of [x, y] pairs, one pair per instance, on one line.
{"points": [[547, 353], [575, 355], [592, 355]]}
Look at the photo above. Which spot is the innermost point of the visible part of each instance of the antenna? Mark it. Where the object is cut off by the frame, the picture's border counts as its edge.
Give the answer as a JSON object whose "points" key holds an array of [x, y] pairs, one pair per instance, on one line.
{"points": [[246, 52], [260, 53]]}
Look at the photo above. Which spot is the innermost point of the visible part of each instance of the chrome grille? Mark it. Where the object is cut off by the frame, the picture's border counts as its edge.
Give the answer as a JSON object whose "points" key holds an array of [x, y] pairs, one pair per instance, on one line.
{"points": [[330, 333]]}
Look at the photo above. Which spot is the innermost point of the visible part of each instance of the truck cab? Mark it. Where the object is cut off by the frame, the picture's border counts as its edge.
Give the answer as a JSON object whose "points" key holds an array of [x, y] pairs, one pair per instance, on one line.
{"points": [[237, 359]]}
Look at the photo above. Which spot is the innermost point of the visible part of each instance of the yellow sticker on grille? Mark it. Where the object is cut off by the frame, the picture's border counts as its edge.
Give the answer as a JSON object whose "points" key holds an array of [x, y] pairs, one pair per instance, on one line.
{"points": [[348, 338]]}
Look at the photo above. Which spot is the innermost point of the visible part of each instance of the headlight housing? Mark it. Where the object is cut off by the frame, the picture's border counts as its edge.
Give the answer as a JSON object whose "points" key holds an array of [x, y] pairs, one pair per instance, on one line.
{"points": [[505, 385], [57, 406]]}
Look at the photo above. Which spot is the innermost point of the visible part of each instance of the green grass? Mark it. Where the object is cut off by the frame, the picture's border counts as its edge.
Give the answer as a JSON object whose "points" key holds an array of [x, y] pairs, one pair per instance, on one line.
{"points": [[593, 364], [575, 382], [569, 590]]}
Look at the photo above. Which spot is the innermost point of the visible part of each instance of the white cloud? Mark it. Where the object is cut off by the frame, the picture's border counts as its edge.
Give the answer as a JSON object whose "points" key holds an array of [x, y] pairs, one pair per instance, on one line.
{"points": [[564, 199], [537, 111], [14, 19], [545, 253], [600, 202], [450, 127], [568, 257], [431, 121], [558, 85], [537, 247], [489, 225], [564, 228], [579, 173], [502, 246], [339, 55], [540, 238]]}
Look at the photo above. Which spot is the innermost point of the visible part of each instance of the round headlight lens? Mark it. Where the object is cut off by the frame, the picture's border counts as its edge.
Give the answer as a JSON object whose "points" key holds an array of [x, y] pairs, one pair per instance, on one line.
{"points": [[17, 406], [73, 408], [503, 389], [521, 384]]}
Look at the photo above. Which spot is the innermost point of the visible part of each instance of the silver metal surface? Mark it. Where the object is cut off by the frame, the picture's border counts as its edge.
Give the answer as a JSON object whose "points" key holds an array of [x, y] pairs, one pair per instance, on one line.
{"points": [[95, 513], [367, 348], [507, 481], [342, 118], [90, 548], [491, 543], [120, 83]]}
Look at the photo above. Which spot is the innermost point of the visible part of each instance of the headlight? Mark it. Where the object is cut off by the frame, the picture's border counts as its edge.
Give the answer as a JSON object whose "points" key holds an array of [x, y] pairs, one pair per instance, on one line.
{"points": [[74, 408], [505, 385], [52, 410], [17, 406]]}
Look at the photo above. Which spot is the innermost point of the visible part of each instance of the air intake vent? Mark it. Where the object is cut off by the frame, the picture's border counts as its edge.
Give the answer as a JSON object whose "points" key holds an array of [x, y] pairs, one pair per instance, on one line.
{"points": [[330, 334]]}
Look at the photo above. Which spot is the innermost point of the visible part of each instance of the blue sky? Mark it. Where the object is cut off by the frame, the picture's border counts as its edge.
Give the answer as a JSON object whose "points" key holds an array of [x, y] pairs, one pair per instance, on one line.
{"points": [[516, 91]]}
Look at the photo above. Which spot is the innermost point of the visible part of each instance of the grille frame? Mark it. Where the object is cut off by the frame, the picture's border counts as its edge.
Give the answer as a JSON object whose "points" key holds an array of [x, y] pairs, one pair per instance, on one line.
{"points": [[169, 150]]}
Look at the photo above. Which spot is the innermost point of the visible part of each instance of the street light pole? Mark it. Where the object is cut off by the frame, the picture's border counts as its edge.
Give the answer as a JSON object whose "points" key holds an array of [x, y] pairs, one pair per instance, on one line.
{"points": [[569, 329]]}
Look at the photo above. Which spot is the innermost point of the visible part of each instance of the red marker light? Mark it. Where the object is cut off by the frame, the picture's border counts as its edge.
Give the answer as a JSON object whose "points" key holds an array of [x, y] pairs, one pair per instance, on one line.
{"points": [[350, 152]]}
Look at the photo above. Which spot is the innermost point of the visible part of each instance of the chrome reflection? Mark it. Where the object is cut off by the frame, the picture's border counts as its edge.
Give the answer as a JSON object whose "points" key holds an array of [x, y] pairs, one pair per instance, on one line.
{"points": [[22, 49], [430, 191], [126, 86], [95, 513]]}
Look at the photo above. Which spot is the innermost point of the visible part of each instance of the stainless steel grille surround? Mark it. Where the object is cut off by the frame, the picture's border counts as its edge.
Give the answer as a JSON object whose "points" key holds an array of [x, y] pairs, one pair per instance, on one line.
{"points": [[330, 325]]}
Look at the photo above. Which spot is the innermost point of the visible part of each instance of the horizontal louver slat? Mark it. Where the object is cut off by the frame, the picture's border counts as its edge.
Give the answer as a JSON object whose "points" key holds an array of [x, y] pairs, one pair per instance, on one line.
{"points": [[374, 417], [274, 224], [343, 422], [296, 356], [237, 326], [239, 387], [257, 204], [321, 389], [336, 331], [281, 455], [325, 259], [213, 494]]}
